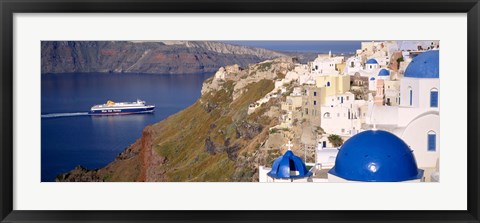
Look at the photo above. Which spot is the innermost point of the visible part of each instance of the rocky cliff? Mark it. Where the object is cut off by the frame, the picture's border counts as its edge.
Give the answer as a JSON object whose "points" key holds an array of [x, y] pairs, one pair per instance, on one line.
{"points": [[215, 139], [162, 57]]}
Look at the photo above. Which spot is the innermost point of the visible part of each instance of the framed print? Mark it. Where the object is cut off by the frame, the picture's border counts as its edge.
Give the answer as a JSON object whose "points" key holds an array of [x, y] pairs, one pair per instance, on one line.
{"points": [[239, 111]]}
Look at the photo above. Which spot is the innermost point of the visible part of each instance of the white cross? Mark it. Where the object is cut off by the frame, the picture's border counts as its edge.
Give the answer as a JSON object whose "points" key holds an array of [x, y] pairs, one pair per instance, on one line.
{"points": [[289, 145]]}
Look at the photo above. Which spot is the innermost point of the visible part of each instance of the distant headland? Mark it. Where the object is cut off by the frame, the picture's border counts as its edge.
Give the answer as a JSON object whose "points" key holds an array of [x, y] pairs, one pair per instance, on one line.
{"points": [[155, 57]]}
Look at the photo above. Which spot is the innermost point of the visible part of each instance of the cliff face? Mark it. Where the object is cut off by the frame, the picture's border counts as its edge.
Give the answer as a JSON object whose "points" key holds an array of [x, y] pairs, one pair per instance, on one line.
{"points": [[215, 139], [167, 57]]}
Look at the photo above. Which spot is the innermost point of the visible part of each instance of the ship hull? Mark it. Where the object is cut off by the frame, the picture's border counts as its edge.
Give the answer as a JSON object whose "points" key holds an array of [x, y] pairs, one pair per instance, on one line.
{"points": [[122, 111]]}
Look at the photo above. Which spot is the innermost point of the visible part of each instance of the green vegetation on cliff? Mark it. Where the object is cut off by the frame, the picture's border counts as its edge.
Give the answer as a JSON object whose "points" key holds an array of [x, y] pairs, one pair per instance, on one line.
{"points": [[215, 139], [202, 145]]}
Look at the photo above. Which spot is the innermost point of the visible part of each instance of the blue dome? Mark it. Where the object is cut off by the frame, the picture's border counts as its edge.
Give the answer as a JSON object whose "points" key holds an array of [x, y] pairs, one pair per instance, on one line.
{"points": [[376, 156], [285, 165], [425, 65], [372, 78], [384, 72], [372, 61]]}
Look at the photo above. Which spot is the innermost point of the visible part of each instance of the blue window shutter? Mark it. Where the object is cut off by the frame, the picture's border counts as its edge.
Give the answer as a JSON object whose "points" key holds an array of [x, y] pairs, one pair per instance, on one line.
{"points": [[432, 142], [434, 99], [411, 93]]}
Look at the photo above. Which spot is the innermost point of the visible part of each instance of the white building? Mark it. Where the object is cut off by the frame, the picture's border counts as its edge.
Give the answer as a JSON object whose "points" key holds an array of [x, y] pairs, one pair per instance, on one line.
{"points": [[342, 114], [346, 98], [299, 70], [418, 45], [416, 120], [353, 65], [325, 156], [326, 65], [371, 65], [392, 92], [343, 120]]}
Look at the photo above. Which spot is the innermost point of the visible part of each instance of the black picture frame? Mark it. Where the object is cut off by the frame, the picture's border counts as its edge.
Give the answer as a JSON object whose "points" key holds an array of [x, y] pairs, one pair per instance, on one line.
{"points": [[9, 7]]}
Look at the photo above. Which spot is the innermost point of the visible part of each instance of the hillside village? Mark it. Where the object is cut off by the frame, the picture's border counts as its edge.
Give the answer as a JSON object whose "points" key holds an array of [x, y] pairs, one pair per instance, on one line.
{"points": [[333, 98], [370, 116]]}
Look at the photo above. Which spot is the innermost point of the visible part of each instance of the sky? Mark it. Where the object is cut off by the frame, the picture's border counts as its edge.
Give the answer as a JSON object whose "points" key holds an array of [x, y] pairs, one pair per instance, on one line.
{"points": [[304, 46]]}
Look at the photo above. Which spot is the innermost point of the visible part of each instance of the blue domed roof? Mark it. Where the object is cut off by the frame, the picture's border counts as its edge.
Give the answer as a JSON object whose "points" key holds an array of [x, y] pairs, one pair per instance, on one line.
{"points": [[384, 72], [376, 156], [284, 166], [425, 65], [372, 61]]}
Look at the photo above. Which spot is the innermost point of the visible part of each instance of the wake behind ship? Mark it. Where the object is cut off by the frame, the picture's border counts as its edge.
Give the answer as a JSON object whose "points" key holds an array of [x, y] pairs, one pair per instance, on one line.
{"points": [[121, 108]]}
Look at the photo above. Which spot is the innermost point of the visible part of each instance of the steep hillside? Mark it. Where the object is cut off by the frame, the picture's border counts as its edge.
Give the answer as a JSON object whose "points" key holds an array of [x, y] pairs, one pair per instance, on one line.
{"points": [[212, 140], [167, 57]]}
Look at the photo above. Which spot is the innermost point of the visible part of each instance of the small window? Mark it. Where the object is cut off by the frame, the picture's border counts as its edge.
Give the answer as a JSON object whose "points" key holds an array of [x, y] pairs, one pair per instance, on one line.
{"points": [[314, 102], [434, 98], [328, 84], [326, 115], [432, 141], [314, 93], [411, 95]]}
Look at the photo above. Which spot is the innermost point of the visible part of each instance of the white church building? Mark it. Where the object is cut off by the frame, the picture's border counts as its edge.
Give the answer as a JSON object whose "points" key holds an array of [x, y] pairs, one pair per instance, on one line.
{"points": [[416, 120]]}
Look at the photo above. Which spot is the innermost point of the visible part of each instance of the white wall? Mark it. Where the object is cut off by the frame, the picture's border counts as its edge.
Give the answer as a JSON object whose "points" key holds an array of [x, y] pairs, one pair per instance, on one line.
{"points": [[357, 66], [420, 98], [336, 100], [339, 120], [372, 84], [262, 173], [326, 65], [415, 135]]}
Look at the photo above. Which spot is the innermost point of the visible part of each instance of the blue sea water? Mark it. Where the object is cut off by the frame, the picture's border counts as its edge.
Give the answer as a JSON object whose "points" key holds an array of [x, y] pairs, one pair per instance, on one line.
{"points": [[71, 137]]}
